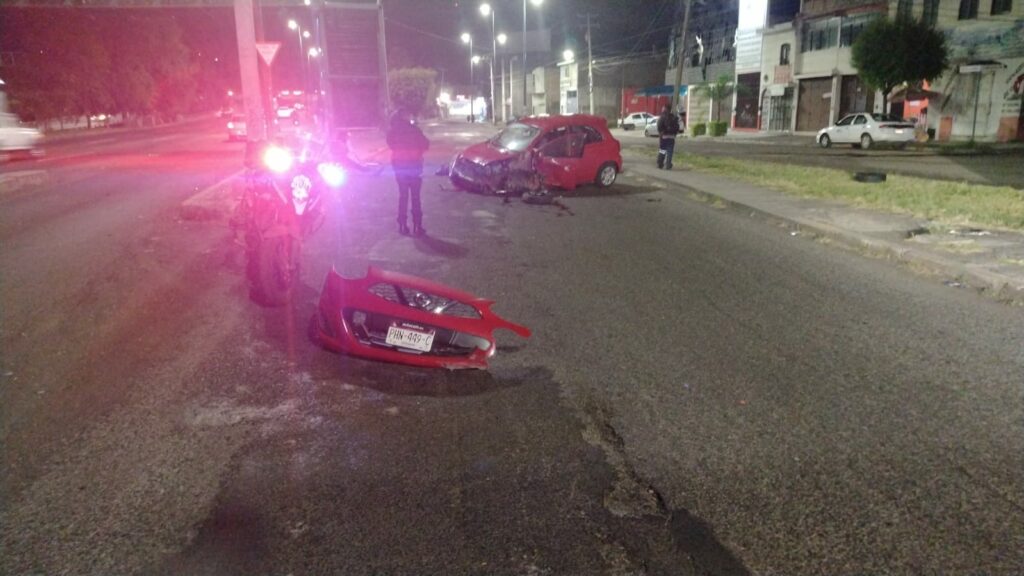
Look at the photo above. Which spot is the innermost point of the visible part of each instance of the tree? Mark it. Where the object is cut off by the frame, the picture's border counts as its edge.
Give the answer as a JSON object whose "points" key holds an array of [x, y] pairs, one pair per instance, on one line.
{"points": [[717, 91], [890, 53], [412, 88]]}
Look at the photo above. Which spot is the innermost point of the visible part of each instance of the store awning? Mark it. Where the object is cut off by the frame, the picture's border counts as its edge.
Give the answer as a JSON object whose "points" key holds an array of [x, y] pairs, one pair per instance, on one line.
{"points": [[664, 90]]}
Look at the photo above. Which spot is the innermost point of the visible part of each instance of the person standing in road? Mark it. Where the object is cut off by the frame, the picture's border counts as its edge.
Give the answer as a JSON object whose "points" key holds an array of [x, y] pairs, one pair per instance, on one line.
{"points": [[668, 128], [407, 143]]}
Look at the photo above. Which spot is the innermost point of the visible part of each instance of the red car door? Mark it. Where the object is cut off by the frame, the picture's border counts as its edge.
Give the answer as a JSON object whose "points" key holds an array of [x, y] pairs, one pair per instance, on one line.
{"points": [[596, 151], [560, 157]]}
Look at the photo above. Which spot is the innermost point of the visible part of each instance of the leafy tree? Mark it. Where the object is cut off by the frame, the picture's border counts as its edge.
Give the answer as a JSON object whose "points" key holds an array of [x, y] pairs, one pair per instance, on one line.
{"points": [[717, 91], [412, 88], [890, 53]]}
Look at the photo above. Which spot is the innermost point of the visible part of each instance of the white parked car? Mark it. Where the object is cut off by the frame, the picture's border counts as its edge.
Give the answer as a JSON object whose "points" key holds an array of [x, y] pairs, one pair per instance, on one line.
{"points": [[864, 130], [637, 120], [17, 137], [651, 129]]}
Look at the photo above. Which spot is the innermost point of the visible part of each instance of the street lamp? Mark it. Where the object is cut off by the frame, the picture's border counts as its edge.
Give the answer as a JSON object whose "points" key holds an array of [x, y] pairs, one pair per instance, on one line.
{"points": [[467, 39], [536, 3], [568, 55]]}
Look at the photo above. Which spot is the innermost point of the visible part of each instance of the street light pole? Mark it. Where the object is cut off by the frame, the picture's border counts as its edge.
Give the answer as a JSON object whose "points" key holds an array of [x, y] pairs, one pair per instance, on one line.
{"points": [[468, 39], [486, 10], [535, 3], [524, 58], [293, 25]]}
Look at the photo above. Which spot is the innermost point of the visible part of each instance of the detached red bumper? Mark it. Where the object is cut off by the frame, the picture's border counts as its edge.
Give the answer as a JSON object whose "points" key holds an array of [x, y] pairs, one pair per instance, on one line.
{"points": [[397, 318]]}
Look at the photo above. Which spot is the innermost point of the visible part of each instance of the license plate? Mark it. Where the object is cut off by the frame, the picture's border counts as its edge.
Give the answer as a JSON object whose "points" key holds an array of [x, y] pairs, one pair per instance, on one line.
{"points": [[899, 131], [413, 339]]}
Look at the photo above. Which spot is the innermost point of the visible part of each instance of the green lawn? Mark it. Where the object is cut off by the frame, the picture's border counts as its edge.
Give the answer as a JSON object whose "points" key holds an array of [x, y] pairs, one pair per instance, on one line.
{"points": [[943, 202]]}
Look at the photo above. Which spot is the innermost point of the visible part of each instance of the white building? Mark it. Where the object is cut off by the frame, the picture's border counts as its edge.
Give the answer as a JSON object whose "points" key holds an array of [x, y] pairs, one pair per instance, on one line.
{"points": [[749, 42], [982, 89]]}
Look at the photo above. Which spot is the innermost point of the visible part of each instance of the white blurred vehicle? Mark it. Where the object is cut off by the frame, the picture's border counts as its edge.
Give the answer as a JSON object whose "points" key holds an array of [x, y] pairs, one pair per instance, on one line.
{"points": [[864, 130], [236, 128], [16, 137], [637, 120]]}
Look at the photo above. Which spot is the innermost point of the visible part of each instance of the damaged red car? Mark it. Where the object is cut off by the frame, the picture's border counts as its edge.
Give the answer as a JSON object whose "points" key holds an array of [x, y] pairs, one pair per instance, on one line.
{"points": [[398, 318], [571, 151]]}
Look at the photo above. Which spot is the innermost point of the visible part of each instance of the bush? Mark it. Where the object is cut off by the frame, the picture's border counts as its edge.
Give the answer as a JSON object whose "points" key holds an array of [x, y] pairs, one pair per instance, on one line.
{"points": [[700, 129], [718, 128]]}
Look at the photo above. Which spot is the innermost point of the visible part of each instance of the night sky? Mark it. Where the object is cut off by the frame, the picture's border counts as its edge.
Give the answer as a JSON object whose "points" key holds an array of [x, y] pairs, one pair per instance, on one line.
{"points": [[426, 32]]}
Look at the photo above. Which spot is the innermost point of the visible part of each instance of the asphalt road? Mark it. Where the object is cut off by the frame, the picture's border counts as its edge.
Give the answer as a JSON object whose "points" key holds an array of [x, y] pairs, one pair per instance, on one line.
{"points": [[704, 393], [1005, 169]]}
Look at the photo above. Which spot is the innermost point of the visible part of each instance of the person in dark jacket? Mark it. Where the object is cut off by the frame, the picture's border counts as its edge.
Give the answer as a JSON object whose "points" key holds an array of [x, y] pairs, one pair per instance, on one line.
{"points": [[668, 128], [407, 143]]}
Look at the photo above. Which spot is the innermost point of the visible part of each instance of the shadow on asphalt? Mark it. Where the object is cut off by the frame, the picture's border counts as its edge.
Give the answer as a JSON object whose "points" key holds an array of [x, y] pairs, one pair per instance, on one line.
{"points": [[615, 190], [431, 245], [400, 380]]}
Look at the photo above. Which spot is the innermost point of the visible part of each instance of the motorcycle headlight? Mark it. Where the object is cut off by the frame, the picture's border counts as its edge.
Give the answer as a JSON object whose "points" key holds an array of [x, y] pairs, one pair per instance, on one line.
{"points": [[277, 159], [333, 174]]}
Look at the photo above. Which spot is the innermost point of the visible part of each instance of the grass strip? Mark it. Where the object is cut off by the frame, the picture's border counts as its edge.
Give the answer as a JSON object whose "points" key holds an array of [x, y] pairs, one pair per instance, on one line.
{"points": [[943, 202]]}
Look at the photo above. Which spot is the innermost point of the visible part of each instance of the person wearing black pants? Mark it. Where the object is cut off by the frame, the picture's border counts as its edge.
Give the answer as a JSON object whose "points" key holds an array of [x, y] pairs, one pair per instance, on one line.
{"points": [[407, 143], [668, 128]]}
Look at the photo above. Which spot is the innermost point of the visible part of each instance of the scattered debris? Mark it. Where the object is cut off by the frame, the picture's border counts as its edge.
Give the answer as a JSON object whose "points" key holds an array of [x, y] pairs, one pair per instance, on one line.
{"points": [[954, 284], [869, 177]]}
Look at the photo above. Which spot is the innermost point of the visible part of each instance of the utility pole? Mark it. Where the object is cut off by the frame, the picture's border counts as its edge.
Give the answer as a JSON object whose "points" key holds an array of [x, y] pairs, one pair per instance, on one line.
{"points": [[248, 65], [590, 68], [524, 59], [681, 53], [504, 96]]}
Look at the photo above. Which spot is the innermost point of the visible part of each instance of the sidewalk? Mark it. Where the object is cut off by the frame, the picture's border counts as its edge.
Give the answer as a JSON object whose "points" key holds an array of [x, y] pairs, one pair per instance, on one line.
{"points": [[988, 260]]}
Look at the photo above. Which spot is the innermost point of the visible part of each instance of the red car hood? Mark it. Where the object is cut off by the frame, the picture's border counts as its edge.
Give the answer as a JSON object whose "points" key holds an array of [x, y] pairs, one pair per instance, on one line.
{"points": [[483, 153]]}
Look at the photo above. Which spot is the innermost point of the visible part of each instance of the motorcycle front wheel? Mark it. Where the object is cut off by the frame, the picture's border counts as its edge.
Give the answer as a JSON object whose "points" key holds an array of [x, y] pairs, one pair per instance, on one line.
{"points": [[277, 269]]}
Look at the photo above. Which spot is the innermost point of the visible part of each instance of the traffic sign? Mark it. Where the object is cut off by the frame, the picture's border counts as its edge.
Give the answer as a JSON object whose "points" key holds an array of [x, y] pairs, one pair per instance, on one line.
{"points": [[267, 51]]}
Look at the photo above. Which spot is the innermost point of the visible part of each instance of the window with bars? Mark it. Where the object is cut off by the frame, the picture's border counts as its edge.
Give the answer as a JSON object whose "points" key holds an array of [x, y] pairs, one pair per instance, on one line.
{"points": [[851, 29], [818, 35], [1001, 7], [930, 13], [968, 10]]}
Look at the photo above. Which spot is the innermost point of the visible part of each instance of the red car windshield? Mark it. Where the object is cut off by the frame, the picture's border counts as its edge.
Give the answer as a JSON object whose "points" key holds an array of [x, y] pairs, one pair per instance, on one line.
{"points": [[515, 137]]}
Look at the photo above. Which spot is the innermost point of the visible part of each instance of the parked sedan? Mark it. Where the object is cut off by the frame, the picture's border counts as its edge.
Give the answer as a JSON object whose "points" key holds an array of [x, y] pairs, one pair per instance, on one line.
{"points": [[864, 130], [651, 129], [636, 120], [570, 150]]}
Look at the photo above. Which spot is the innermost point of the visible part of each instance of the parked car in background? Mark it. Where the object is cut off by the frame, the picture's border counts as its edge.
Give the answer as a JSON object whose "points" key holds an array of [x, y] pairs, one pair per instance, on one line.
{"points": [[637, 120], [236, 128], [570, 150], [864, 130], [651, 128], [17, 138]]}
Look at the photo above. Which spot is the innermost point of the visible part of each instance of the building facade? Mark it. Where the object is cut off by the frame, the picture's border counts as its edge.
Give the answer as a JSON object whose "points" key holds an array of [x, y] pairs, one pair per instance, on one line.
{"points": [[544, 90], [979, 96], [827, 86], [706, 54]]}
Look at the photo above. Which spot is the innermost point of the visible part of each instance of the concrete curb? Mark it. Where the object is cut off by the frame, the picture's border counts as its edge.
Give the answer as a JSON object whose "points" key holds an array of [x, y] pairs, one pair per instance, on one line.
{"points": [[992, 284], [11, 182], [214, 202]]}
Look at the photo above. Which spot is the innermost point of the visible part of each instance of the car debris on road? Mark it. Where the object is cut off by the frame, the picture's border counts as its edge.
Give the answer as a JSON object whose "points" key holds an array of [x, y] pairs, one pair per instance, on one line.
{"points": [[408, 320]]}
